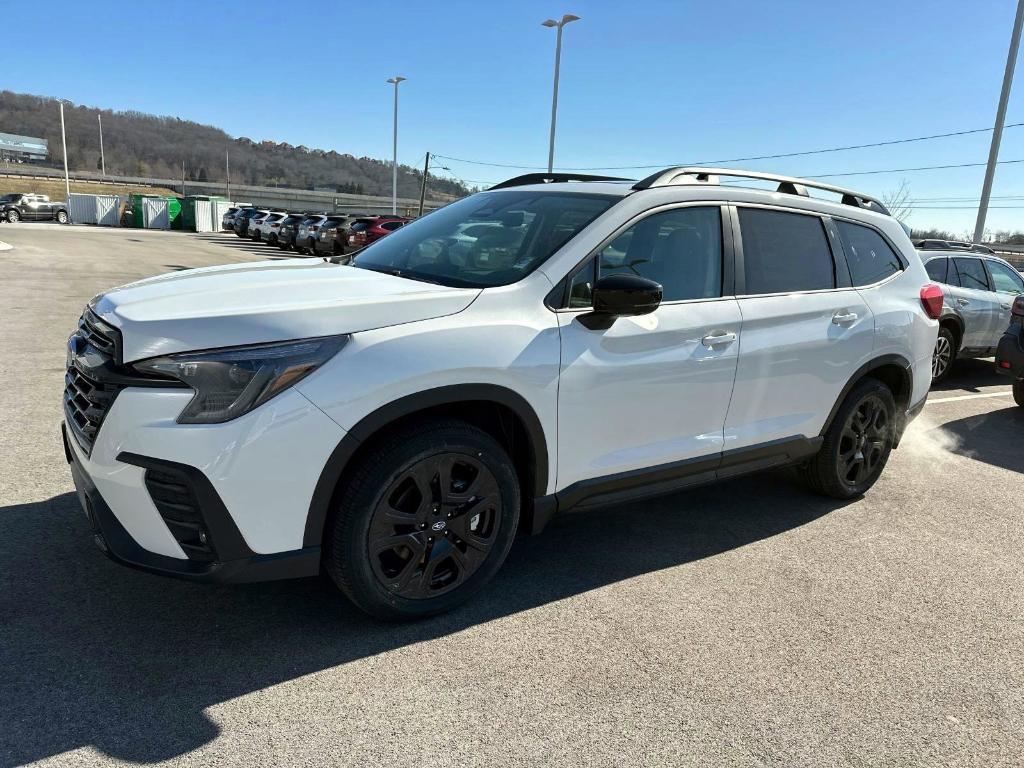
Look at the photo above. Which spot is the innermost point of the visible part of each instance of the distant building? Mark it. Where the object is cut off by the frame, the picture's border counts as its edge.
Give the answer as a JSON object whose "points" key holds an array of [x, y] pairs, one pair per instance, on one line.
{"points": [[22, 149]]}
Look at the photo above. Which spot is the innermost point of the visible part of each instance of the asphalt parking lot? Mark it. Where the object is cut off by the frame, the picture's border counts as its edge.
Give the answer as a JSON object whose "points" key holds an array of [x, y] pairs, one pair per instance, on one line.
{"points": [[746, 624]]}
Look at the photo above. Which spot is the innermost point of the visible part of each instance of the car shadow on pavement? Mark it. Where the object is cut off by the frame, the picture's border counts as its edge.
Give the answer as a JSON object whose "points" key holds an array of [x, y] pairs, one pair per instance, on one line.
{"points": [[993, 437], [970, 375], [94, 654]]}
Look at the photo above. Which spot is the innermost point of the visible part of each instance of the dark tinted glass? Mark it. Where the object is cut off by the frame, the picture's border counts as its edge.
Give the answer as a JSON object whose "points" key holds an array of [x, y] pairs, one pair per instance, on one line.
{"points": [[936, 269], [972, 274], [360, 225], [869, 256], [489, 239], [784, 252], [681, 249]]}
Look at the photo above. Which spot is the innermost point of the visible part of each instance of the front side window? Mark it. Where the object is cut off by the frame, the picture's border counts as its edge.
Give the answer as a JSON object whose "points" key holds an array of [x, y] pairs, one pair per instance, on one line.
{"points": [[489, 239], [972, 274], [1005, 279], [784, 252], [936, 269], [869, 256]]}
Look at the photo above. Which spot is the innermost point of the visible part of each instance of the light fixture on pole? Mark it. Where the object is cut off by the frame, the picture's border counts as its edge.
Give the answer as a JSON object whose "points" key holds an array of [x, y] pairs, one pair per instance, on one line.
{"points": [[394, 148], [568, 18], [64, 142]]}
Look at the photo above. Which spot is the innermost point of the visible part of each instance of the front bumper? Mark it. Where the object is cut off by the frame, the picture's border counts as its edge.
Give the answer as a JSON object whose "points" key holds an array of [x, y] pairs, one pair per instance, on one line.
{"points": [[247, 485]]}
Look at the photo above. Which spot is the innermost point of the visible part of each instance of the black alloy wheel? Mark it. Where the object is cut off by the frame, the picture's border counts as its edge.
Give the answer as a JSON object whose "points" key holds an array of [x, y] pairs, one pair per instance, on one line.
{"points": [[434, 526], [863, 441]]}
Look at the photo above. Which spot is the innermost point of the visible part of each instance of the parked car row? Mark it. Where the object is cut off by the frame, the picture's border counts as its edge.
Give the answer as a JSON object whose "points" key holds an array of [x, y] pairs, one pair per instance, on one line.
{"points": [[309, 232]]}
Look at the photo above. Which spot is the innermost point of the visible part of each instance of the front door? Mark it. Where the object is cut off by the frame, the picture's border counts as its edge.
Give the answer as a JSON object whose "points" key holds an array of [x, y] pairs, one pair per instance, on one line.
{"points": [[653, 390]]}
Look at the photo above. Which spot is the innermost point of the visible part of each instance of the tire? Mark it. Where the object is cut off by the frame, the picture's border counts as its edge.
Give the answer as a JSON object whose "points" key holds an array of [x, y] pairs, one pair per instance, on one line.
{"points": [[272, 239], [943, 354], [865, 420], [1018, 392], [430, 557], [13, 216], [62, 217]]}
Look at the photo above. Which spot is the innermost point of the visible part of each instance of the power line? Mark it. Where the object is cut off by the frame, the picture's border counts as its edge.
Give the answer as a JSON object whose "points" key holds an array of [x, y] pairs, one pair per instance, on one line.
{"points": [[908, 170], [886, 143]]}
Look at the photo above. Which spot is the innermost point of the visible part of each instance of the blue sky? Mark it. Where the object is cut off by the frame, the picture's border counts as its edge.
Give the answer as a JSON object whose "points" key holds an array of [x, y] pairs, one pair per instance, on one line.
{"points": [[655, 82]]}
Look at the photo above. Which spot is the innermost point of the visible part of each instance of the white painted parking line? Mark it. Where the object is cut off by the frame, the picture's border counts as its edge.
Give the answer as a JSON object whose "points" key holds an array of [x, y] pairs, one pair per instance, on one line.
{"points": [[967, 397]]}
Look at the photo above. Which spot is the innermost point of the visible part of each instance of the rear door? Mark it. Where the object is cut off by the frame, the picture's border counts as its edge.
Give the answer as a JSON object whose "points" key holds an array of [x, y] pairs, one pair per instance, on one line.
{"points": [[805, 331], [975, 301], [1008, 285]]}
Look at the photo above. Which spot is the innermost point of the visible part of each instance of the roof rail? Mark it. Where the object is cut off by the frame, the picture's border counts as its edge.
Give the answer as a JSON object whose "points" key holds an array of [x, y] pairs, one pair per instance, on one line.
{"points": [[548, 178], [934, 244], [788, 185]]}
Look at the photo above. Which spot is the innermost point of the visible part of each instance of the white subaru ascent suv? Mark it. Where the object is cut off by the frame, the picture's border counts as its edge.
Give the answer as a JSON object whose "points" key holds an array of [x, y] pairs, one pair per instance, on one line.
{"points": [[554, 342]]}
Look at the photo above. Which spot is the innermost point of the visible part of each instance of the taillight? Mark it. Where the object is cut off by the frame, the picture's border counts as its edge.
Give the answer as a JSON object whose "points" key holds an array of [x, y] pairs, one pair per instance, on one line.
{"points": [[931, 300], [1018, 307]]}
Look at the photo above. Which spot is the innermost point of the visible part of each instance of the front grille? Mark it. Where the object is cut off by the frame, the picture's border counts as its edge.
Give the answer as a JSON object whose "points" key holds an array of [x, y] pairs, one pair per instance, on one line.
{"points": [[176, 502], [88, 393]]}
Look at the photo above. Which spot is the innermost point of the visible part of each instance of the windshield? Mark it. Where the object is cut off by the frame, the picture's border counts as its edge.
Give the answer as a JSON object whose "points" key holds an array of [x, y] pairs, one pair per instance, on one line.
{"points": [[485, 240]]}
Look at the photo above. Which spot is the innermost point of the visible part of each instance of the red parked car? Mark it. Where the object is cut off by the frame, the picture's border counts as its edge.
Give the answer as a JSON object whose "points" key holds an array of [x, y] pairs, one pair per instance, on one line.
{"points": [[362, 232]]}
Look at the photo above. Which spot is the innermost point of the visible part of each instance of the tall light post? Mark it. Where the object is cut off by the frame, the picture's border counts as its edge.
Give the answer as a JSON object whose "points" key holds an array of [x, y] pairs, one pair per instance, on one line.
{"points": [[64, 142], [394, 148], [568, 18], [997, 131], [103, 159]]}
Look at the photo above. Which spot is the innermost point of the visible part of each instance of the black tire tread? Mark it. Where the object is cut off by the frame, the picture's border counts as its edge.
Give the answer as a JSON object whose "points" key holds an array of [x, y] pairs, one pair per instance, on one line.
{"points": [[1018, 392], [819, 473]]}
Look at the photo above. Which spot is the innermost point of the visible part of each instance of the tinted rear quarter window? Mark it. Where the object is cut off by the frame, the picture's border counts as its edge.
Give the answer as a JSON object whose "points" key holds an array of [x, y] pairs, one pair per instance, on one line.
{"points": [[936, 269], [972, 274], [870, 258], [784, 252]]}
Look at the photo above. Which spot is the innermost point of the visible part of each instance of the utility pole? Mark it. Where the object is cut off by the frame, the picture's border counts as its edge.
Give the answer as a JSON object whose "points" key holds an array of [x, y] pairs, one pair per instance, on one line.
{"points": [[423, 183], [182, 178], [997, 131], [227, 170], [64, 142], [103, 160]]}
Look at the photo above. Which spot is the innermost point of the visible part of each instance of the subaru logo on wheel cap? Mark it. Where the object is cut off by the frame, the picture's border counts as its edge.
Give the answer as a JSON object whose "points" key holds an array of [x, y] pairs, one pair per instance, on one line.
{"points": [[438, 526]]}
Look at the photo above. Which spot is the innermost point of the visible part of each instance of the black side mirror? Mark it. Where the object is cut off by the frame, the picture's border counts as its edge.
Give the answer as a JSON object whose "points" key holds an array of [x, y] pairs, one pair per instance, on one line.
{"points": [[621, 296]]}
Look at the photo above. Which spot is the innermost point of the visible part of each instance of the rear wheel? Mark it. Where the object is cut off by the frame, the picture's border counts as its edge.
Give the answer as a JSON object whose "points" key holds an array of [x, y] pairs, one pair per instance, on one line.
{"points": [[425, 520], [857, 444], [1018, 392], [943, 354]]}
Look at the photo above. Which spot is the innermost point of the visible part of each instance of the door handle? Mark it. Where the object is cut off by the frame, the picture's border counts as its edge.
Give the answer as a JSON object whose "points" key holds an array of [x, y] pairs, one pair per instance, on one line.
{"points": [[844, 318], [1006, 306], [962, 302], [717, 339]]}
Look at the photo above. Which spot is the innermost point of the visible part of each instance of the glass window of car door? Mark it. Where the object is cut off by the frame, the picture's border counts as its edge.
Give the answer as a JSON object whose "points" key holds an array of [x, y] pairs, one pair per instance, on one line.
{"points": [[680, 249], [972, 274], [784, 252], [1005, 279]]}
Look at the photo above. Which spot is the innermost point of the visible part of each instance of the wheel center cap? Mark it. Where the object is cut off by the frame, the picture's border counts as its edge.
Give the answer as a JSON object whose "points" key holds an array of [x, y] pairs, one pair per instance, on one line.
{"points": [[438, 525]]}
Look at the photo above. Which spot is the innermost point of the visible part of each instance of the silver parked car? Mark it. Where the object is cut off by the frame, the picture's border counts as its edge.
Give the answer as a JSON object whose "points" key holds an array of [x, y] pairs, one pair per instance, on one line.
{"points": [[979, 292]]}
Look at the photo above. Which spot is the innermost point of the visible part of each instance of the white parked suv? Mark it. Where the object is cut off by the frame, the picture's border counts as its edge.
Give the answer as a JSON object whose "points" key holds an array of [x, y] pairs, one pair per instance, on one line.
{"points": [[396, 420]]}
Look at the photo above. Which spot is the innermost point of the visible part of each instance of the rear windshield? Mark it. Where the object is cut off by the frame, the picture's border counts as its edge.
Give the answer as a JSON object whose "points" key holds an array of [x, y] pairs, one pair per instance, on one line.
{"points": [[490, 239], [360, 224], [275, 217]]}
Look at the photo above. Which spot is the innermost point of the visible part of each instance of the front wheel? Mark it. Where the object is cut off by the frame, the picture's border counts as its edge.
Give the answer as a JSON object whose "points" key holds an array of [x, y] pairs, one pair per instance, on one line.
{"points": [[425, 520], [857, 444], [943, 355], [62, 217], [13, 216], [1018, 392]]}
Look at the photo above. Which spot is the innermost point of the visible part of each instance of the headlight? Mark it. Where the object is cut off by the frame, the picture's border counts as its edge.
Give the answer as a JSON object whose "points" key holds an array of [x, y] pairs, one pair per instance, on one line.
{"points": [[230, 382]]}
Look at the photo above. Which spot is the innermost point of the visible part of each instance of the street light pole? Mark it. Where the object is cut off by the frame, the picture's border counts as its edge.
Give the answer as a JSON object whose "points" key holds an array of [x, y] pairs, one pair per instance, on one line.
{"points": [[554, 95], [394, 148], [103, 159], [997, 131], [64, 142]]}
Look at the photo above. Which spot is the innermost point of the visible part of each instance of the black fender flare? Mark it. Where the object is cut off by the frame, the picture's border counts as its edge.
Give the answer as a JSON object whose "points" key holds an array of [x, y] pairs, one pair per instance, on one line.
{"points": [[874, 364], [369, 425]]}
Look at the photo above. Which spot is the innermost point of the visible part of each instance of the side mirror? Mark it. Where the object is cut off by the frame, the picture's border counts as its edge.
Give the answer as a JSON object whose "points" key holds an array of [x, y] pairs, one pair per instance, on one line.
{"points": [[621, 296]]}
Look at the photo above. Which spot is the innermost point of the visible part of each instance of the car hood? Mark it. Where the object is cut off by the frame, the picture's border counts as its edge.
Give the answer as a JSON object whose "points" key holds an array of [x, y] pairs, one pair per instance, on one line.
{"points": [[263, 302]]}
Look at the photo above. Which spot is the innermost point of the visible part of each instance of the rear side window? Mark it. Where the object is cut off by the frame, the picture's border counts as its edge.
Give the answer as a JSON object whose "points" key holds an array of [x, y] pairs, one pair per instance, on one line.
{"points": [[936, 269], [972, 274], [869, 256], [391, 226], [785, 252], [1005, 279]]}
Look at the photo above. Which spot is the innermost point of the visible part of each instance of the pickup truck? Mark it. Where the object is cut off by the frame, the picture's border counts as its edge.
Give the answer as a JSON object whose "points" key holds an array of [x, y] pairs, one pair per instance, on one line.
{"points": [[30, 207]]}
